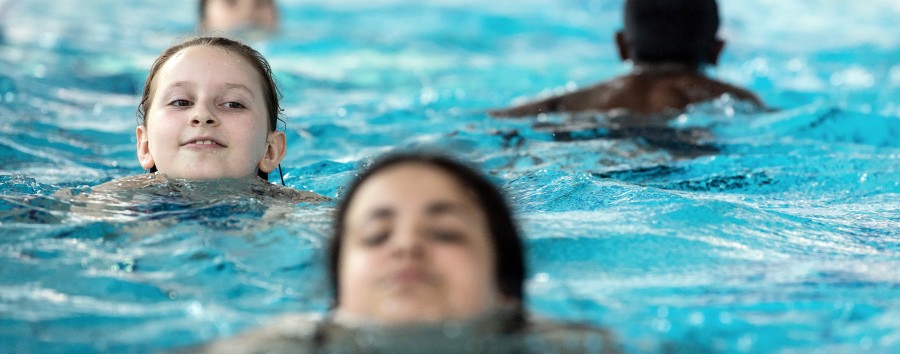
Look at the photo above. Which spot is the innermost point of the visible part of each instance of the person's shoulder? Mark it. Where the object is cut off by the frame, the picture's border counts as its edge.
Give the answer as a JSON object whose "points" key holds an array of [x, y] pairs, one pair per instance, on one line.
{"points": [[292, 195], [739, 93], [130, 183], [600, 96]]}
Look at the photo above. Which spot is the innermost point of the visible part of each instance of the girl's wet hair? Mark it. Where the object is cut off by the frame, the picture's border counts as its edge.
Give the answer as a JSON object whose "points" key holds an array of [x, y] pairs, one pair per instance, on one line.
{"points": [[271, 94], [508, 250], [682, 31]]}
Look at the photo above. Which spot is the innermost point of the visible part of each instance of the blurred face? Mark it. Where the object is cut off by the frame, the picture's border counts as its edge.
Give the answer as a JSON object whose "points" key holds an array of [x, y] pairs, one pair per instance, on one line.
{"points": [[207, 118], [227, 15], [416, 249]]}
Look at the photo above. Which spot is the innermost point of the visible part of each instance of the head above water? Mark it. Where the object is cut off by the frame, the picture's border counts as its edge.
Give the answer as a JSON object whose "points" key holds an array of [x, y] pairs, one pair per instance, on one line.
{"points": [[422, 238], [229, 15], [225, 53], [670, 31]]}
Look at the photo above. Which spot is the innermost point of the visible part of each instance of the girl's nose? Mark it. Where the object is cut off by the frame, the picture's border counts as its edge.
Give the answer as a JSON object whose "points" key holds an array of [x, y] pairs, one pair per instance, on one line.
{"points": [[407, 242], [203, 117]]}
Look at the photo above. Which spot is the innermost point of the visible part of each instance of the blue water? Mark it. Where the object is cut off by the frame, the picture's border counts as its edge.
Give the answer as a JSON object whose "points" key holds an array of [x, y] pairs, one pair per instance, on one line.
{"points": [[780, 237]]}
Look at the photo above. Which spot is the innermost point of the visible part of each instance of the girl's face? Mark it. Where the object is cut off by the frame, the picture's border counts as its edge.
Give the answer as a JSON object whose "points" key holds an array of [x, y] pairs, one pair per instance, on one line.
{"points": [[416, 249], [207, 118], [227, 15]]}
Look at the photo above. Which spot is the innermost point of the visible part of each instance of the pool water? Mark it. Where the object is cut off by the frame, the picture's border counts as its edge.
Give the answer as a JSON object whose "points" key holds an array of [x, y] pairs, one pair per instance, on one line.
{"points": [[774, 233]]}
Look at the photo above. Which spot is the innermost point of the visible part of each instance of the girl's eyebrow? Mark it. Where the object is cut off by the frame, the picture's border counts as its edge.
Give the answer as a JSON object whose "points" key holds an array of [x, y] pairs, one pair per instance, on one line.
{"points": [[379, 214], [166, 91], [227, 86], [242, 87], [443, 207], [432, 209], [384, 212], [181, 84]]}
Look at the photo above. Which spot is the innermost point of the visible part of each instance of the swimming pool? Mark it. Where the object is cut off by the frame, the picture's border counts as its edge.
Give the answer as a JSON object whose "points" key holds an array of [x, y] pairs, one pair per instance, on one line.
{"points": [[785, 240]]}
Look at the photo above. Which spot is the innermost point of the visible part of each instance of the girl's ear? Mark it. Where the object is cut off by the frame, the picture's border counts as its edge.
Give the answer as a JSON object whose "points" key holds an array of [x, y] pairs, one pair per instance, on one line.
{"points": [[276, 147], [143, 148]]}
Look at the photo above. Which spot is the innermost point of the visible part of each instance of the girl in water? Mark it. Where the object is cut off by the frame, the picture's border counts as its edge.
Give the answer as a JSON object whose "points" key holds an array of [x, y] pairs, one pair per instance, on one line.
{"points": [[424, 254], [209, 112]]}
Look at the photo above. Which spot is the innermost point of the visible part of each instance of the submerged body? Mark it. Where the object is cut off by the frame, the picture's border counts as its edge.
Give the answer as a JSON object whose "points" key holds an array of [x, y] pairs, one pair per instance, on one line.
{"points": [[253, 186], [138, 196], [503, 331]]}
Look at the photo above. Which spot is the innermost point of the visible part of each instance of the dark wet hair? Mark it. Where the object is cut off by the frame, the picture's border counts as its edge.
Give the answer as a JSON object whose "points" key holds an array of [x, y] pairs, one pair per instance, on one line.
{"points": [[508, 249], [271, 94], [682, 31]]}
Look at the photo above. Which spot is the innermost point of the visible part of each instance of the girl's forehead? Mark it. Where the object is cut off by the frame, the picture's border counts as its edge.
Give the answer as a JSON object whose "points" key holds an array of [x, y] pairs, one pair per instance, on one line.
{"points": [[211, 55], [414, 180], [413, 186], [208, 62]]}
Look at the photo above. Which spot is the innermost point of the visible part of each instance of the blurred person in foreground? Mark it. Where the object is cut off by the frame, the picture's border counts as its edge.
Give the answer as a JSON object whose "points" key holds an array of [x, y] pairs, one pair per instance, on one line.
{"points": [[669, 42], [425, 257]]}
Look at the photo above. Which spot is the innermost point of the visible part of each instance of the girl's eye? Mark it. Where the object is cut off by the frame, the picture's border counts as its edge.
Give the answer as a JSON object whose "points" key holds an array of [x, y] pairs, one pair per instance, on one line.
{"points": [[180, 103], [233, 105]]}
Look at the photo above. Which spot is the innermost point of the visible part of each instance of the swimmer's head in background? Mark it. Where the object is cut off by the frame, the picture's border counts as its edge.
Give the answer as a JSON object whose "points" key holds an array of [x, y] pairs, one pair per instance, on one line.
{"points": [[271, 94], [507, 245], [671, 31], [232, 15]]}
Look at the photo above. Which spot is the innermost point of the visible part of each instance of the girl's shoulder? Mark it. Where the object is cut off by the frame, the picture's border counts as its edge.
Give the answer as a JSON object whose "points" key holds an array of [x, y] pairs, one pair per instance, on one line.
{"points": [[253, 186], [131, 182], [291, 195]]}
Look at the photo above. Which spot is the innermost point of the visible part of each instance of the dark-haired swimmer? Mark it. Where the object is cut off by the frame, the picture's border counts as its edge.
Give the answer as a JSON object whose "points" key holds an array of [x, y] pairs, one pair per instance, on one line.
{"points": [[209, 111], [231, 15], [424, 254], [669, 43]]}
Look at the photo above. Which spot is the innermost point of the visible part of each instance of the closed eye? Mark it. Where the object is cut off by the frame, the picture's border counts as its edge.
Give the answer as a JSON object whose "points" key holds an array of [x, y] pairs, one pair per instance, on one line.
{"points": [[376, 239], [446, 236]]}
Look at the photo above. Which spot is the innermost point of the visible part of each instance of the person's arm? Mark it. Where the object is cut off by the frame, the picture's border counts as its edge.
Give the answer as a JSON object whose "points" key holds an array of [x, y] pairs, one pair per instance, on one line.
{"points": [[548, 105]]}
